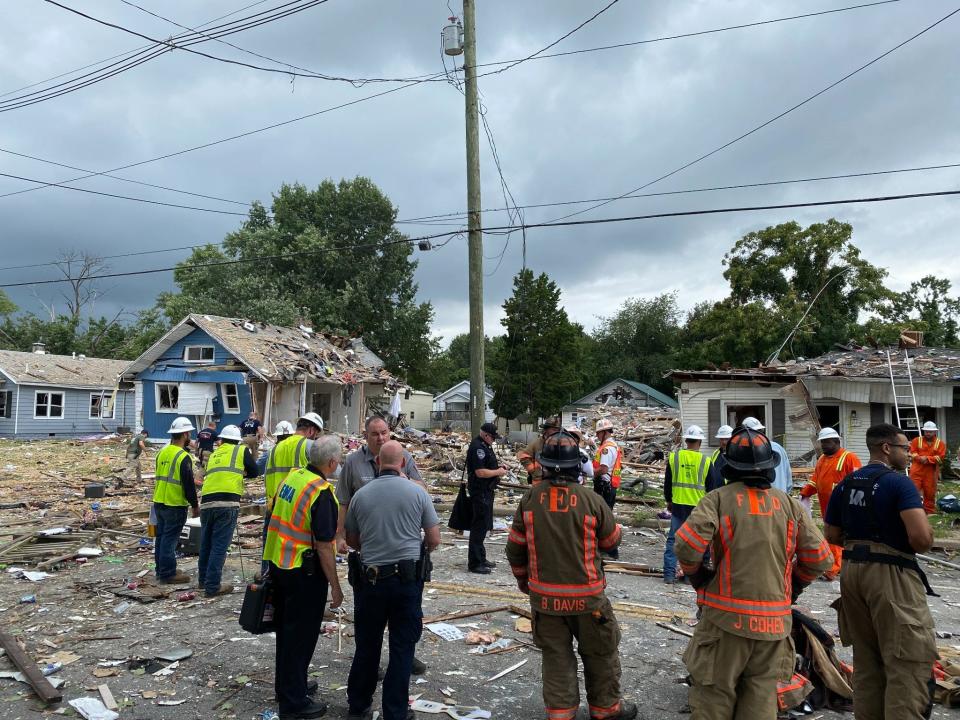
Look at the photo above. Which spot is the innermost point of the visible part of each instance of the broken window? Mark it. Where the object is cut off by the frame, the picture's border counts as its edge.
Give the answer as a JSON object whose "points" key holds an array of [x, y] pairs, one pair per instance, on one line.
{"points": [[198, 353], [231, 398], [829, 416], [168, 397], [736, 414], [48, 405], [100, 406], [6, 401]]}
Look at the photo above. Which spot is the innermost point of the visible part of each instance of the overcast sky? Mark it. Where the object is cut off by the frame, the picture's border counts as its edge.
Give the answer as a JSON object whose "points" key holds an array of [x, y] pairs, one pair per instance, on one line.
{"points": [[582, 126]]}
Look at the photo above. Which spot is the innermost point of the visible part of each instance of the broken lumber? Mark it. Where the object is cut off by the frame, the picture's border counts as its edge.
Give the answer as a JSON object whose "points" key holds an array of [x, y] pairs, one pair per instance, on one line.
{"points": [[674, 628], [465, 614], [107, 697], [31, 671]]}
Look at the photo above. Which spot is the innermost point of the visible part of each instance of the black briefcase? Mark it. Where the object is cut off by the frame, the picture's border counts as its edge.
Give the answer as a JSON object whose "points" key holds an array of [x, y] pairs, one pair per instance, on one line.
{"points": [[461, 517], [256, 613]]}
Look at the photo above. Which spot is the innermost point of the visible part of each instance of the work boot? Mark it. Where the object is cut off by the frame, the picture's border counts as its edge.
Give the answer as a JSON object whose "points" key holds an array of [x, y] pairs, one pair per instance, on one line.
{"points": [[311, 688], [487, 563], [628, 711], [419, 667], [176, 579], [221, 590], [312, 709], [365, 715], [480, 570]]}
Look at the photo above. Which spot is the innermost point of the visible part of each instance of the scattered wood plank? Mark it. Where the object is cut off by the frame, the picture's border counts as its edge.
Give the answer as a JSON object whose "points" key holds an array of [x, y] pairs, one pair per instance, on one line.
{"points": [[466, 614], [674, 628], [521, 611], [107, 697], [28, 666]]}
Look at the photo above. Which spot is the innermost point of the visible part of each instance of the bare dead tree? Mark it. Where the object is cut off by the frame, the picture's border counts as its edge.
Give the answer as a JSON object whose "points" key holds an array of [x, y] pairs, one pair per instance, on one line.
{"points": [[80, 270]]}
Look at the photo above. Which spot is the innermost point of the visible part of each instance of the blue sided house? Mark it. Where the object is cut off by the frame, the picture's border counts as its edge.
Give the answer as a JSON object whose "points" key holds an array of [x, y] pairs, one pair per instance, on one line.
{"points": [[62, 396], [216, 368]]}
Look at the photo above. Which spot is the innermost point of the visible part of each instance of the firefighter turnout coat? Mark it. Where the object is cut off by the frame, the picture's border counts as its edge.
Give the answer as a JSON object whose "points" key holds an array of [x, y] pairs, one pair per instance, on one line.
{"points": [[558, 532], [759, 539]]}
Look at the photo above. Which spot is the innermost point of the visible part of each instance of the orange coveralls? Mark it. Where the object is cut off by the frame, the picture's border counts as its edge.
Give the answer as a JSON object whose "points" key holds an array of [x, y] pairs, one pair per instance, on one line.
{"points": [[829, 471], [925, 469]]}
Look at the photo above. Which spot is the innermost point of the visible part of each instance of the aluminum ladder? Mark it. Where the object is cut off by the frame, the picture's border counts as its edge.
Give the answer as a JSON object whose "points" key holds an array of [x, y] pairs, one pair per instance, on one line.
{"points": [[904, 395]]}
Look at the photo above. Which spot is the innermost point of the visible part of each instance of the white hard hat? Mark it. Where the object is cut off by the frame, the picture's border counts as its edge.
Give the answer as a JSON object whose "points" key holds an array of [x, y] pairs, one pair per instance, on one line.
{"points": [[604, 424], [284, 427], [694, 432], [930, 426], [724, 432], [751, 423], [230, 432], [312, 417], [828, 433], [180, 425]]}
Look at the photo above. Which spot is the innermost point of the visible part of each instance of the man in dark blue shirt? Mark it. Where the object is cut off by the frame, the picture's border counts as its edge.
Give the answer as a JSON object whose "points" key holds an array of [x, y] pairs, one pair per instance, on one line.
{"points": [[483, 475], [205, 440], [251, 430], [877, 515]]}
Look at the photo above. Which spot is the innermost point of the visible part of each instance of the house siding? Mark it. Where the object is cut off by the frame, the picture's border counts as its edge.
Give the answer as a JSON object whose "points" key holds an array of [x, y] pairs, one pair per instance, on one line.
{"points": [[170, 367], [8, 425], [76, 420]]}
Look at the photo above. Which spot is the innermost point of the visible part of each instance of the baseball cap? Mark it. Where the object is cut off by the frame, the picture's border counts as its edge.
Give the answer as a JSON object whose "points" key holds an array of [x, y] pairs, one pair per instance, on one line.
{"points": [[490, 429]]}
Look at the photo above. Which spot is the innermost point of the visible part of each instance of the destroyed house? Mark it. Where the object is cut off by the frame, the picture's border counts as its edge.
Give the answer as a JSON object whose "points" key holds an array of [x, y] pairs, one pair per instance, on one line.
{"points": [[617, 393], [208, 367], [847, 389], [57, 396]]}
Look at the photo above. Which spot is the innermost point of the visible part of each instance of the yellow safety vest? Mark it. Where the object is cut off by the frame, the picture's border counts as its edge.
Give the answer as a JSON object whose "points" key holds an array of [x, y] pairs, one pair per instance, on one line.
{"points": [[289, 534], [617, 470], [167, 488], [224, 473], [288, 454], [688, 476]]}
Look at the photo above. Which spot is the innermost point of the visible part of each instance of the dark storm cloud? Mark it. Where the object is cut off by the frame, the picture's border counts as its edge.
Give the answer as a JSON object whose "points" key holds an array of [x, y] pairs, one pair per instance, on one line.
{"points": [[588, 125]]}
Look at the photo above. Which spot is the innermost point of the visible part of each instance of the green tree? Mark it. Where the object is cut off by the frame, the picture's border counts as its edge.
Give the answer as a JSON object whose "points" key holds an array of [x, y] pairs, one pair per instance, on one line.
{"points": [[741, 334], [7, 306], [928, 306], [450, 365], [539, 366], [786, 267], [638, 342], [346, 268]]}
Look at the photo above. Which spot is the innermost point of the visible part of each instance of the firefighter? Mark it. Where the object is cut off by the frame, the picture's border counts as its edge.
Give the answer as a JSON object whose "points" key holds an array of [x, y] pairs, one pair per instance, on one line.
{"points": [[766, 550], [832, 466], [557, 531], [877, 515], [528, 456], [926, 452]]}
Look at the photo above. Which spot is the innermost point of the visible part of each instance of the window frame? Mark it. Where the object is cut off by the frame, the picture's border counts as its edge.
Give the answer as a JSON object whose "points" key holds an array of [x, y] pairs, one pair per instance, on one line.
{"points": [[100, 415], [6, 401], [156, 397], [201, 361], [227, 408], [49, 404]]}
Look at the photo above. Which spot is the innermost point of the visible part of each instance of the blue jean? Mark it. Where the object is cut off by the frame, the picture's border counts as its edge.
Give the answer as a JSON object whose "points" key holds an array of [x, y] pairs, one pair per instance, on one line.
{"points": [[216, 531], [669, 557], [264, 564], [391, 604], [170, 522]]}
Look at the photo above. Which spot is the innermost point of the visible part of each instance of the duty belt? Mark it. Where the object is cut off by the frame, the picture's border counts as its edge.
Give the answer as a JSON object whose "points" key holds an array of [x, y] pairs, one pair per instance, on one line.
{"points": [[863, 554], [373, 573]]}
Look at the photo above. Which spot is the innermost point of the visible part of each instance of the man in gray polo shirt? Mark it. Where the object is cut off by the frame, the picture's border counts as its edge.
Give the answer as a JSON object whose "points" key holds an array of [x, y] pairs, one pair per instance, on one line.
{"points": [[384, 522], [362, 466]]}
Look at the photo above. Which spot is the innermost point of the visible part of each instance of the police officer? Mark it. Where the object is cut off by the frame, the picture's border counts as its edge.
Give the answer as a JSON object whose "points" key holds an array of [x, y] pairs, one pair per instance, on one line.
{"points": [[483, 475], [766, 549], [387, 580], [552, 549], [689, 476], [877, 515], [173, 493], [219, 507], [528, 456], [303, 566]]}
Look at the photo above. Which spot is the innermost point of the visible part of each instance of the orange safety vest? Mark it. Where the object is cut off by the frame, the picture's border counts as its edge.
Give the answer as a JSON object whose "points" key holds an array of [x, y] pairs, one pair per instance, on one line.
{"points": [[289, 534], [617, 468]]}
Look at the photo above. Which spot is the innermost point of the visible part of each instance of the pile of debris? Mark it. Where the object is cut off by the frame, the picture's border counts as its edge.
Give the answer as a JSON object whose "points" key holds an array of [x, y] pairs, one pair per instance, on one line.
{"points": [[646, 435]]}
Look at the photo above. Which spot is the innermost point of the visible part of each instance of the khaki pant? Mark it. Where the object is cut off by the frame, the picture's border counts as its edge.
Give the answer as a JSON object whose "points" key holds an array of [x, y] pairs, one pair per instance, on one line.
{"points": [[733, 677], [200, 470], [598, 641], [883, 613], [252, 442], [133, 471]]}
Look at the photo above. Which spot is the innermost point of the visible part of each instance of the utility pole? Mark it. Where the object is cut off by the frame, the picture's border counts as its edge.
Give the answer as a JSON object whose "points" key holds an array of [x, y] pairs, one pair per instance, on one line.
{"points": [[475, 238]]}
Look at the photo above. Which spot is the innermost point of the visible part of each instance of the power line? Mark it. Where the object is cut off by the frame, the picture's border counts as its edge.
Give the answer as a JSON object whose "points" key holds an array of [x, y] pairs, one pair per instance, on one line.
{"points": [[772, 120], [634, 43], [526, 226], [113, 177], [122, 197], [688, 191]]}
